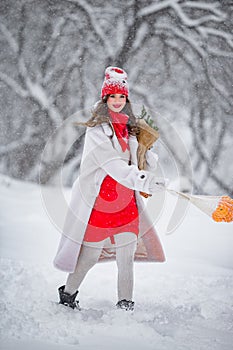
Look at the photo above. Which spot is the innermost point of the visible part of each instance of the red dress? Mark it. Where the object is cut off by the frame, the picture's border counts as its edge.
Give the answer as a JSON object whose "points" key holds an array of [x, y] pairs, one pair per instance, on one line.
{"points": [[115, 209]]}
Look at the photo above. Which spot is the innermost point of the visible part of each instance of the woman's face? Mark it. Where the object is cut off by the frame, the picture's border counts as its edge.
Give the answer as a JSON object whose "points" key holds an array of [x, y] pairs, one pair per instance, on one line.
{"points": [[116, 102]]}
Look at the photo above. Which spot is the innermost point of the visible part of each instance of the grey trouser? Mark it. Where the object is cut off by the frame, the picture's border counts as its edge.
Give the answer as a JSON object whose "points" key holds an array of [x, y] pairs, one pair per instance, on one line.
{"points": [[126, 244]]}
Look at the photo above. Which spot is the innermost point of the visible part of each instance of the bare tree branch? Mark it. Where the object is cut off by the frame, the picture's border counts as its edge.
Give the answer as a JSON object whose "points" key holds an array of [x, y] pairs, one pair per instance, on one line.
{"points": [[13, 85], [51, 45], [217, 17], [90, 12], [9, 38], [154, 8]]}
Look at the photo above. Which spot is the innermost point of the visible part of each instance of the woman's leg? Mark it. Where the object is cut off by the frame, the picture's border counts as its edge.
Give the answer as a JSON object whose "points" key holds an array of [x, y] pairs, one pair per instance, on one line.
{"points": [[88, 257], [126, 244]]}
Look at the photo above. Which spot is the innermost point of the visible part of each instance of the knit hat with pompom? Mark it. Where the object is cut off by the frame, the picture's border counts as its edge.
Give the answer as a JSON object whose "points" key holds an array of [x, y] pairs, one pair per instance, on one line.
{"points": [[115, 82]]}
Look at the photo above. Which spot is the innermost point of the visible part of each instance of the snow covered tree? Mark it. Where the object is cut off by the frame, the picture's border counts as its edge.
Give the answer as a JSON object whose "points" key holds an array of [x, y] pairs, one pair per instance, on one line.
{"points": [[178, 54]]}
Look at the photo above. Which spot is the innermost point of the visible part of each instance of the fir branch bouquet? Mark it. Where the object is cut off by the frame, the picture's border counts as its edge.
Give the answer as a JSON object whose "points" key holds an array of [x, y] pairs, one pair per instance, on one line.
{"points": [[144, 115], [148, 134]]}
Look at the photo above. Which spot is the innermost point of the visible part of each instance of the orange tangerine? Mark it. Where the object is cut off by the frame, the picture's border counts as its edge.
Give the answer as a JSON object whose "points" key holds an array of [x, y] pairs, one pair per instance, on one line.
{"points": [[216, 217], [224, 210]]}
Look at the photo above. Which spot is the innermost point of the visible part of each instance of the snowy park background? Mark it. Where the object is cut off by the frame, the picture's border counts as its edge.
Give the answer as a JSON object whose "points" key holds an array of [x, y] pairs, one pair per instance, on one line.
{"points": [[185, 303], [178, 56]]}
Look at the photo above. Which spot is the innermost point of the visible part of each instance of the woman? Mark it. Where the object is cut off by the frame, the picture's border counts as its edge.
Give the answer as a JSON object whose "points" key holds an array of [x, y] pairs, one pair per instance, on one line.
{"points": [[106, 218]]}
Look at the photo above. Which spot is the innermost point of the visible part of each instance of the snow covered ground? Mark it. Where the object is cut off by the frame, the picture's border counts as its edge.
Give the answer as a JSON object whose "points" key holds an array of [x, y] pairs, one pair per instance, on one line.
{"points": [[183, 304]]}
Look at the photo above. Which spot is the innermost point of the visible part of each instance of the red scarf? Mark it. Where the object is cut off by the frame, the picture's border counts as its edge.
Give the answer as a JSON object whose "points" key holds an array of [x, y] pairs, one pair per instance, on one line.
{"points": [[119, 122]]}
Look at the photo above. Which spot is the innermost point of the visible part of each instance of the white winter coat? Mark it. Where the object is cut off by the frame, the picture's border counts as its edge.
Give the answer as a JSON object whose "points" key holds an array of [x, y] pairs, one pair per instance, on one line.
{"points": [[102, 155]]}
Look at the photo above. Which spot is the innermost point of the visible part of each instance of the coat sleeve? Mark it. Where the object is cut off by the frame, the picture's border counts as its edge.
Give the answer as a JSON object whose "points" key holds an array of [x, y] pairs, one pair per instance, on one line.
{"points": [[151, 161], [106, 157]]}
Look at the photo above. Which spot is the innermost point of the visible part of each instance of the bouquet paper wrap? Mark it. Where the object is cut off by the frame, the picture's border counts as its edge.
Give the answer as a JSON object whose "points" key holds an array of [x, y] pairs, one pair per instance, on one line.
{"points": [[219, 208], [146, 138]]}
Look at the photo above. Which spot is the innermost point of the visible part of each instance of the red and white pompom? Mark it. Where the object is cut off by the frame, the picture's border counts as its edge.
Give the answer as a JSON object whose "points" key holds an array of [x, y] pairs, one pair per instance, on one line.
{"points": [[115, 82]]}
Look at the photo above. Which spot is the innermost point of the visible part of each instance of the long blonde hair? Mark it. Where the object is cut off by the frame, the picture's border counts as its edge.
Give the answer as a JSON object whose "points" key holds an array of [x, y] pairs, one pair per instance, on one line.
{"points": [[100, 115]]}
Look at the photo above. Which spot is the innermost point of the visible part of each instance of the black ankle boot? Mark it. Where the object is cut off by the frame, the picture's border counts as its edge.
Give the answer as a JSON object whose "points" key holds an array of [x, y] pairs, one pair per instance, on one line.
{"points": [[68, 299], [127, 305]]}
